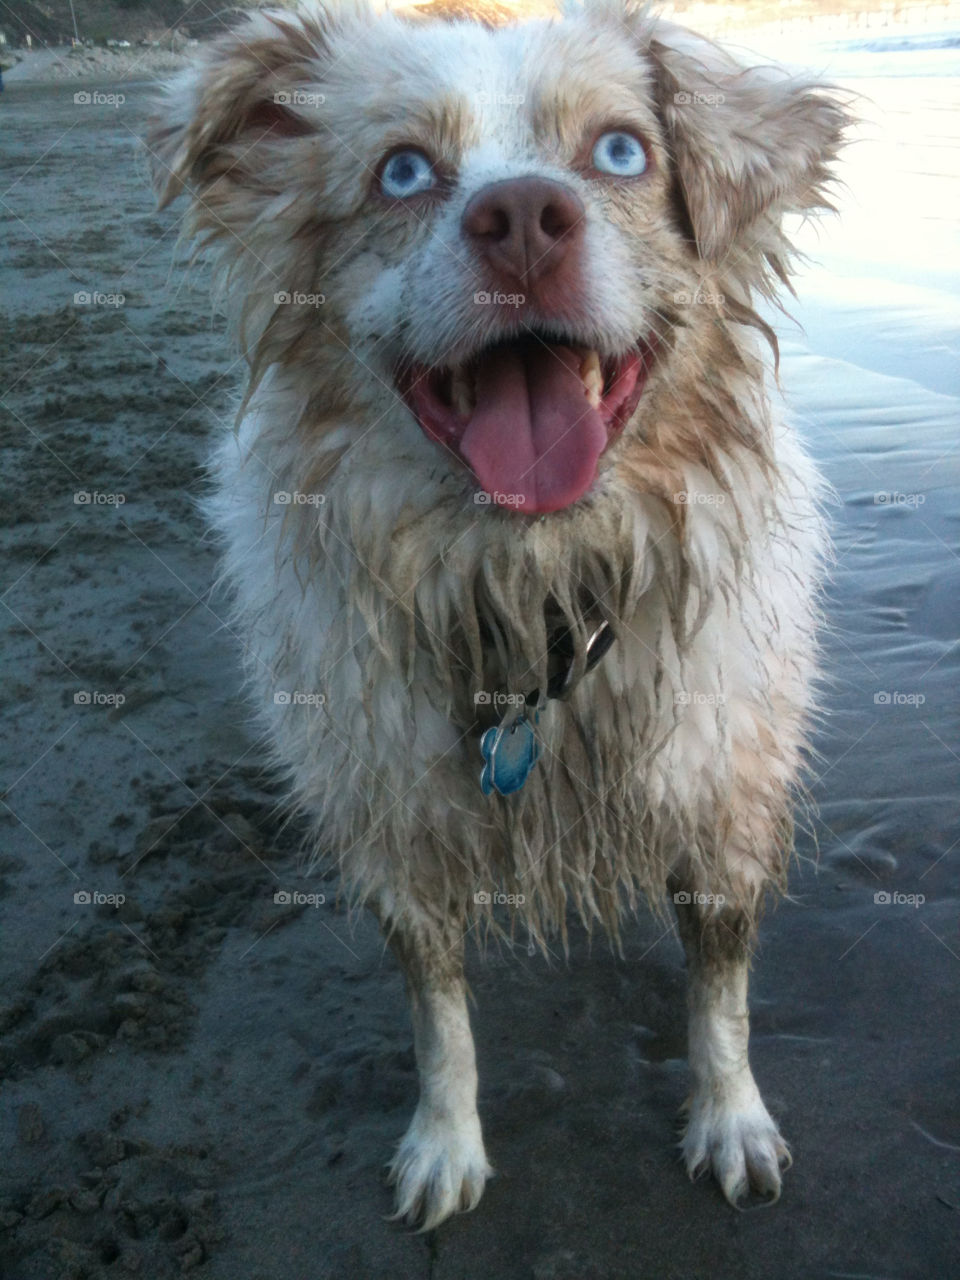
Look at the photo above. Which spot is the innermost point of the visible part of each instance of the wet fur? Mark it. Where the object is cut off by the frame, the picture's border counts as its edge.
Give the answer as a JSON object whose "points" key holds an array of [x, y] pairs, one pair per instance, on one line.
{"points": [[398, 598]]}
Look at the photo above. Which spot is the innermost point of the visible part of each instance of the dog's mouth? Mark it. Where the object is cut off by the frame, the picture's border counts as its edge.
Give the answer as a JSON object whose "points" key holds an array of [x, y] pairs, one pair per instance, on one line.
{"points": [[530, 416]]}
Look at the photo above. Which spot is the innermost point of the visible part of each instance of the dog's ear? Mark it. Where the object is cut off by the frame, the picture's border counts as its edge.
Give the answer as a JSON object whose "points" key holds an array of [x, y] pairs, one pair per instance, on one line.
{"points": [[213, 117], [749, 145]]}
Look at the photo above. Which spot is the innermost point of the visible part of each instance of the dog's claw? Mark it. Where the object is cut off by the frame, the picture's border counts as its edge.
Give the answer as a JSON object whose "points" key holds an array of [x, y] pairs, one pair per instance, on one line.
{"points": [[438, 1170], [741, 1146]]}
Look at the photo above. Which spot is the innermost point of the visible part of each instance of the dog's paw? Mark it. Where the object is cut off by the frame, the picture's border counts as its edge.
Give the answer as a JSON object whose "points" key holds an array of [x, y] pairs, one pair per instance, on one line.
{"points": [[738, 1142], [439, 1169]]}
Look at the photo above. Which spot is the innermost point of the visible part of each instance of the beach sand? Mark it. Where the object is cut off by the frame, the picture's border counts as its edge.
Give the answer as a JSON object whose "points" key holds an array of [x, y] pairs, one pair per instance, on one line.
{"points": [[202, 1080]]}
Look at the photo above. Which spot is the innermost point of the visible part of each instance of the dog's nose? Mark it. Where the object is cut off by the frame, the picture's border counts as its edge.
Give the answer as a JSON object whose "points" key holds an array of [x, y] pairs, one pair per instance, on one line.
{"points": [[524, 228]]}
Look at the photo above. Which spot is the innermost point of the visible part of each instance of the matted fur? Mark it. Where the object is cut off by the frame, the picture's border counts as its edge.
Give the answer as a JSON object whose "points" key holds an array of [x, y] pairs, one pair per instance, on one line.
{"points": [[396, 597]]}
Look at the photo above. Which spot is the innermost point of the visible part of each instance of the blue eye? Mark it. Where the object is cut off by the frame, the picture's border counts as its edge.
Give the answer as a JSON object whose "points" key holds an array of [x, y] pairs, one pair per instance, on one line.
{"points": [[620, 154], [407, 173]]}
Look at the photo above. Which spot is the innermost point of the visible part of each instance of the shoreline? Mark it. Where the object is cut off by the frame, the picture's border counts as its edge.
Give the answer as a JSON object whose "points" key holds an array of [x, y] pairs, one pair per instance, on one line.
{"points": [[63, 64]]}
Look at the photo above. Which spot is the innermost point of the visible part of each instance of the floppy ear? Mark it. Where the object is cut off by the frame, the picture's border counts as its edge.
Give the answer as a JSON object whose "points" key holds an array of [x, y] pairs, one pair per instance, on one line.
{"points": [[749, 145], [214, 117]]}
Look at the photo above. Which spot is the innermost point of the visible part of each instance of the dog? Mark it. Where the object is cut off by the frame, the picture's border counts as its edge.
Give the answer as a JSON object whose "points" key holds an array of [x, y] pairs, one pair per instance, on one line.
{"points": [[525, 556]]}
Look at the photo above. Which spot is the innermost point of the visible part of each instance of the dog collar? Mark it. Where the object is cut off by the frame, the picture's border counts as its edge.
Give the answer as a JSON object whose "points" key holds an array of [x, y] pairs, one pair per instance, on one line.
{"points": [[510, 749]]}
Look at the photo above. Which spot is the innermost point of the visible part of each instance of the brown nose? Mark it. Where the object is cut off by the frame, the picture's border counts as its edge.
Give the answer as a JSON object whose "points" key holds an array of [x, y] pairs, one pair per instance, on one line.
{"points": [[524, 228]]}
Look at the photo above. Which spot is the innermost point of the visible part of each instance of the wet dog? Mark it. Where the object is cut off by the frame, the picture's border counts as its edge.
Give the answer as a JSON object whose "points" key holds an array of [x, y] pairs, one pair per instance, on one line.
{"points": [[524, 558]]}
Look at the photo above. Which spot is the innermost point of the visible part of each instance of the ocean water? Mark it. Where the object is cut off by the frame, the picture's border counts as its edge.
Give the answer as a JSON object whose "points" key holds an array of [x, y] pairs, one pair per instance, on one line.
{"points": [[871, 371]]}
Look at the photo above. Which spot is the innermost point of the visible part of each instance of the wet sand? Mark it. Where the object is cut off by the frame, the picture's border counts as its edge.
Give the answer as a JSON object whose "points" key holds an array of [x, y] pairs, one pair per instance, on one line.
{"points": [[202, 1080]]}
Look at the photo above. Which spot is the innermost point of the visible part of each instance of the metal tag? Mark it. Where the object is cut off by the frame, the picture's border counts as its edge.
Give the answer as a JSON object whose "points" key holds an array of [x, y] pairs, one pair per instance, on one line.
{"points": [[510, 752]]}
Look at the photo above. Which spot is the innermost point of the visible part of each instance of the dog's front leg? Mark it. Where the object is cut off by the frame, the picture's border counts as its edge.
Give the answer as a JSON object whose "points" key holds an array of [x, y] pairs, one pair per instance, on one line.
{"points": [[729, 1130], [440, 1167]]}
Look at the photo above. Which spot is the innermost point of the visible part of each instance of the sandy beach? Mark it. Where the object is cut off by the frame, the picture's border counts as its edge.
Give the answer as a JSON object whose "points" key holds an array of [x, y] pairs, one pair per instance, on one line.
{"points": [[203, 1080]]}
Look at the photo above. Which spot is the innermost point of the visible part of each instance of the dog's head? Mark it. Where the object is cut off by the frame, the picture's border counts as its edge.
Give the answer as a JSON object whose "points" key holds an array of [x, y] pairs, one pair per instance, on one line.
{"points": [[504, 254]]}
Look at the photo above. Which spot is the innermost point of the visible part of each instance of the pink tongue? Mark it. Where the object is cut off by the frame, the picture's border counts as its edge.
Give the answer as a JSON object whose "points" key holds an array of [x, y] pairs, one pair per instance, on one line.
{"points": [[533, 441]]}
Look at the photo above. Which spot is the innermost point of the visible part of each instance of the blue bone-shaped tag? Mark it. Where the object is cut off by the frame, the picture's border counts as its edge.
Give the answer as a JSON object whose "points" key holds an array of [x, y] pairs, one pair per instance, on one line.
{"points": [[510, 752]]}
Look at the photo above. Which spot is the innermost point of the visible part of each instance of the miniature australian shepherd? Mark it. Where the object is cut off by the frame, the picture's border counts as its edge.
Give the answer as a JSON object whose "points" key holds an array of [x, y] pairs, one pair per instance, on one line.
{"points": [[524, 554]]}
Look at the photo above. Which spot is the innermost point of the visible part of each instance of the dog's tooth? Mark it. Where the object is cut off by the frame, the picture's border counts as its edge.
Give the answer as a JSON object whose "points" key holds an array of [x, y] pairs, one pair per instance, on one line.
{"points": [[591, 376], [589, 363], [461, 393]]}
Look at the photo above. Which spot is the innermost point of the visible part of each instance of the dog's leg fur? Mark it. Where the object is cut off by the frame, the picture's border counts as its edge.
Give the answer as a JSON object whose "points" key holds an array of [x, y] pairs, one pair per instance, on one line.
{"points": [[440, 1167], [729, 1130]]}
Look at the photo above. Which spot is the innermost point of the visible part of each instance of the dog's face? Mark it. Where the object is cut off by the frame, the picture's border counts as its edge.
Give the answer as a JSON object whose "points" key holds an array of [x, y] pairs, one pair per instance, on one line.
{"points": [[527, 240]]}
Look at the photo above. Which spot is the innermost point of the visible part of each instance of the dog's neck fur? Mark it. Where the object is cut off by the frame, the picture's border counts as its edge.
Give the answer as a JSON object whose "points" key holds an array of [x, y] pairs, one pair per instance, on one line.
{"points": [[486, 603]]}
